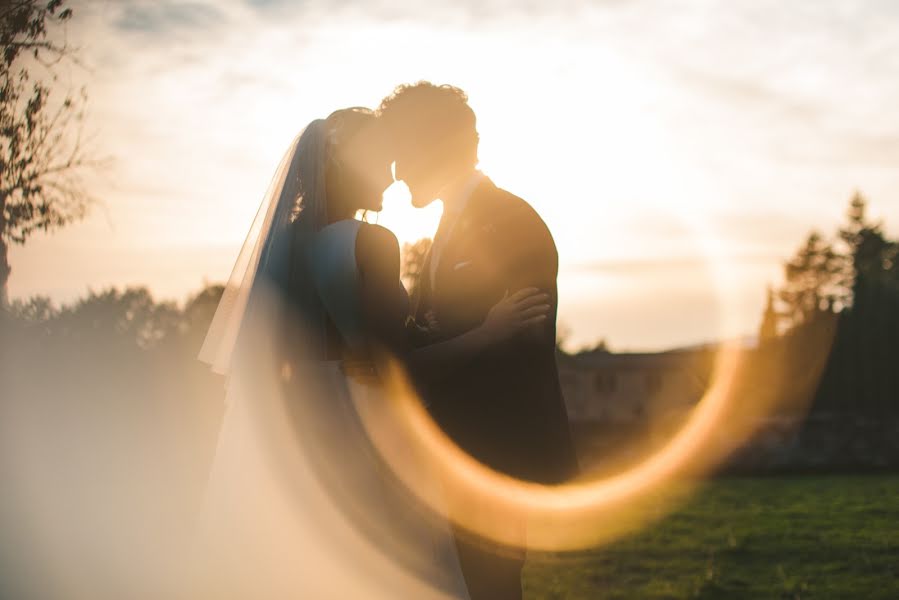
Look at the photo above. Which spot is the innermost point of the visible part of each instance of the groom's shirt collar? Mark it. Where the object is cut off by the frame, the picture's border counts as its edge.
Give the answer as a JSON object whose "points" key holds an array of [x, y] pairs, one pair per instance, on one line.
{"points": [[454, 203]]}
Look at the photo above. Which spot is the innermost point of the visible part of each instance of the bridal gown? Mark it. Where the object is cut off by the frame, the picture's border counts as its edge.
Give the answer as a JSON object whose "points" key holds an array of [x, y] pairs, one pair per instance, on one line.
{"points": [[298, 502]]}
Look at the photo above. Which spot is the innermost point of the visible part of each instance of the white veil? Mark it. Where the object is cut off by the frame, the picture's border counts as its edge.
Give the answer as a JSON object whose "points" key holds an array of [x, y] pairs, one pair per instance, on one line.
{"points": [[297, 499], [299, 183]]}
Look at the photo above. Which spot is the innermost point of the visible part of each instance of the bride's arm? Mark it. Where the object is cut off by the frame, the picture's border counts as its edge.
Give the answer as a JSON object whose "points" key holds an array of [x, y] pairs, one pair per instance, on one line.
{"points": [[384, 304], [511, 315]]}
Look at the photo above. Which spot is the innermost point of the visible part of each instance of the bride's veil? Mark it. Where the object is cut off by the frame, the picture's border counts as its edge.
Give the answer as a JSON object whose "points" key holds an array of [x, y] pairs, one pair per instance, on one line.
{"points": [[297, 497], [264, 259]]}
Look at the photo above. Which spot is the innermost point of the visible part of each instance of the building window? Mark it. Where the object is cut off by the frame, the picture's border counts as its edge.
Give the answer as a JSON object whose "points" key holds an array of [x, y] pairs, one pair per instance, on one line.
{"points": [[605, 383]]}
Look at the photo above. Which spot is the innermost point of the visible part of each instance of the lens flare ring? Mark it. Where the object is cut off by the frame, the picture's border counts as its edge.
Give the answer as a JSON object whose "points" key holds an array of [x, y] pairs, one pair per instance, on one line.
{"points": [[514, 513]]}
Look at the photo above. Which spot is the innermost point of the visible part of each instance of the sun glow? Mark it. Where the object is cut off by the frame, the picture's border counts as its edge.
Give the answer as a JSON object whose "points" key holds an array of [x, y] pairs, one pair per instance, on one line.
{"points": [[407, 222]]}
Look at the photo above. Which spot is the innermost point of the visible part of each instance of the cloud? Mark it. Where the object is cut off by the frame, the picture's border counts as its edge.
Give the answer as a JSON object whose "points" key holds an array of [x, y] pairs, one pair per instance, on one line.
{"points": [[807, 83], [759, 114], [438, 13], [165, 17]]}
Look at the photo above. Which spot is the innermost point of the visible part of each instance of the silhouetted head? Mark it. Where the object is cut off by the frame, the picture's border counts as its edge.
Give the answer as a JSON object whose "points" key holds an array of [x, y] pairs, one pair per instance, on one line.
{"points": [[434, 135], [359, 158]]}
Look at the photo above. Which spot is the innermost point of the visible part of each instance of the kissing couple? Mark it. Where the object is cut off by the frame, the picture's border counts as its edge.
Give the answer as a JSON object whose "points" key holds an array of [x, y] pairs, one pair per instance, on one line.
{"points": [[318, 292]]}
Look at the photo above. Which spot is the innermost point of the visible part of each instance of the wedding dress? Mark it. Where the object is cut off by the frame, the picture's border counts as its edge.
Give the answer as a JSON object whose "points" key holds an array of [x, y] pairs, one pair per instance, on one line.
{"points": [[298, 502]]}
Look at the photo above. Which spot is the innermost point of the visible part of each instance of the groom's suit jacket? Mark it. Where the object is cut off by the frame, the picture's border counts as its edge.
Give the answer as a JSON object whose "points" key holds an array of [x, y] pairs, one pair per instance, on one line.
{"points": [[505, 405]]}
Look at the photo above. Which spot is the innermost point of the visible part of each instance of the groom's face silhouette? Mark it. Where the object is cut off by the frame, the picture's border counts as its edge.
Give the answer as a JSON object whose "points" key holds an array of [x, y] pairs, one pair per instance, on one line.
{"points": [[434, 137]]}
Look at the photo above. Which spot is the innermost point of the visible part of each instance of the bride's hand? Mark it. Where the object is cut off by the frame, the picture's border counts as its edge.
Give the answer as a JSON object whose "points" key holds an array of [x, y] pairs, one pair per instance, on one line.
{"points": [[516, 312]]}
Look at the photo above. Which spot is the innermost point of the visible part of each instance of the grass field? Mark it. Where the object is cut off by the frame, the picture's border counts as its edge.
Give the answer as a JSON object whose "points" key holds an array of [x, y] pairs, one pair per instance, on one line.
{"points": [[799, 537]]}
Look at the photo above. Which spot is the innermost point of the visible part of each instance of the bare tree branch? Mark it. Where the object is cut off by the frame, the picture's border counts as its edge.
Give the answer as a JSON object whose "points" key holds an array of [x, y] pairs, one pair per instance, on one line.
{"points": [[42, 156]]}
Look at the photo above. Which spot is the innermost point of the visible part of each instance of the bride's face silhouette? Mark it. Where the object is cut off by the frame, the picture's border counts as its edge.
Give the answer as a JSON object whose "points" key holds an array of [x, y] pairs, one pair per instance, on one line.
{"points": [[359, 171], [360, 184]]}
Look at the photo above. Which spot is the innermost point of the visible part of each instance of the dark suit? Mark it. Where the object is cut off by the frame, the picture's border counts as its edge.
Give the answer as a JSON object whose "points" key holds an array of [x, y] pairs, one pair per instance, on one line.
{"points": [[504, 406]]}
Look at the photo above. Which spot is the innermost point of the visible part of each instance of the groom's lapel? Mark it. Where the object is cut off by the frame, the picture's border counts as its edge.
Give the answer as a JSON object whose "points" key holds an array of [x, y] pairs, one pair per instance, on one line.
{"points": [[475, 215], [476, 211]]}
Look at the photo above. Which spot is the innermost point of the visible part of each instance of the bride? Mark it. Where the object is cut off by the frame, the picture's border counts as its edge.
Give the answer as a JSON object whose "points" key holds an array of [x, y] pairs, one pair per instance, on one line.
{"points": [[298, 497]]}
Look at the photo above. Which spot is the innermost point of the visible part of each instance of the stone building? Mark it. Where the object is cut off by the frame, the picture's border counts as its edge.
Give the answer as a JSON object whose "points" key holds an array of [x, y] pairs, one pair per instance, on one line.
{"points": [[601, 386]]}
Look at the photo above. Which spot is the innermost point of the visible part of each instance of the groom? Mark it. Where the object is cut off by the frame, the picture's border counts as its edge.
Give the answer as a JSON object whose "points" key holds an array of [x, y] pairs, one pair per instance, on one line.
{"points": [[505, 406]]}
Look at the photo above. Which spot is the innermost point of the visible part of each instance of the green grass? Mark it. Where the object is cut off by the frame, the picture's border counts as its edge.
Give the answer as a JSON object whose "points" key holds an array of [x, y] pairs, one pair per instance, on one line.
{"points": [[801, 537]]}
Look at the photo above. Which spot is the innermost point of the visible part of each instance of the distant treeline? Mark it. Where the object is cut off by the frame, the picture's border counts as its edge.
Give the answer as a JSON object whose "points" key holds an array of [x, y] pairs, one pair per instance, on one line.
{"points": [[121, 321], [825, 376], [849, 283], [115, 365], [828, 352]]}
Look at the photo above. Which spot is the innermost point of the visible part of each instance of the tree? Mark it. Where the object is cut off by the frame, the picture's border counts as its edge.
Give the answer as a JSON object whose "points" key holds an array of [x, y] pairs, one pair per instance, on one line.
{"points": [[120, 319], [413, 262], [42, 160], [857, 285], [769, 327], [198, 313], [814, 282], [870, 253], [869, 334]]}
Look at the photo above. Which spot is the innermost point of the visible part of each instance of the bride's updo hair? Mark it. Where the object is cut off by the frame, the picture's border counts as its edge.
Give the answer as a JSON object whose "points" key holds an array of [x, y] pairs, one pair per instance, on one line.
{"points": [[346, 123]]}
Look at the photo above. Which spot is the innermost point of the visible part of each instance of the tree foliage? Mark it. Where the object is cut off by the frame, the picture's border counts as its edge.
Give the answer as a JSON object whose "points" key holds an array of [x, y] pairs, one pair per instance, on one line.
{"points": [[824, 275], [413, 261], [852, 278], [869, 252], [123, 320], [813, 279], [42, 154], [770, 319]]}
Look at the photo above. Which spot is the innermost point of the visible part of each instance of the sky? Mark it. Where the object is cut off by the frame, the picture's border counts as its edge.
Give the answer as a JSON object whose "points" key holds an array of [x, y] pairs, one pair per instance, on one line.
{"points": [[679, 151]]}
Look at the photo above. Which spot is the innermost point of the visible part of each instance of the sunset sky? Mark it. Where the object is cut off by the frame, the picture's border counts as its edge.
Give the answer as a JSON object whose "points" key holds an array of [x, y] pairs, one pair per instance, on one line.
{"points": [[660, 140]]}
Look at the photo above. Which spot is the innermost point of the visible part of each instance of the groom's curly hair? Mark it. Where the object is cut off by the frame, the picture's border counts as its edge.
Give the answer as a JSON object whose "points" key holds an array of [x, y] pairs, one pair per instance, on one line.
{"points": [[437, 113]]}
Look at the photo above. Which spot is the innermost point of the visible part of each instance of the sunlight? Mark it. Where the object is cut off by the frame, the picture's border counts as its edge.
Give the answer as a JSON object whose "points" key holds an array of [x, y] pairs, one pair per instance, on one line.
{"points": [[599, 130], [712, 329], [407, 222]]}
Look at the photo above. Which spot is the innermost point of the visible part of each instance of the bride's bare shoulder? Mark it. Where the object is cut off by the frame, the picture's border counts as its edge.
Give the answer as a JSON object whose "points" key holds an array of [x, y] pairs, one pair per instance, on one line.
{"points": [[377, 235], [376, 243]]}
